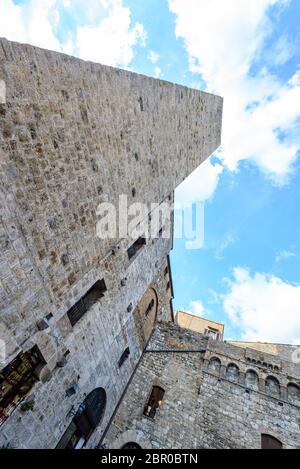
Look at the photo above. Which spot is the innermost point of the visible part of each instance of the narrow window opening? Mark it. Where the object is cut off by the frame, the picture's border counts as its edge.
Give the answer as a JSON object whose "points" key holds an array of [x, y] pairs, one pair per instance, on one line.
{"points": [[154, 402], [87, 301], [150, 308], [141, 103], [124, 357], [136, 247]]}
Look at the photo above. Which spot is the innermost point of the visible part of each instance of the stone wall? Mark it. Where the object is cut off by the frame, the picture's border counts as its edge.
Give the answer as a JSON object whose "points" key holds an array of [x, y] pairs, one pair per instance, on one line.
{"points": [[74, 134], [215, 397], [285, 351], [94, 347]]}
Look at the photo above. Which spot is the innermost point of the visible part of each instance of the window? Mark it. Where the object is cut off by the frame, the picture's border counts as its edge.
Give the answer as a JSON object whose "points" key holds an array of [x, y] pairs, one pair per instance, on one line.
{"points": [[150, 308], [215, 365], [233, 373], [88, 416], [168, 286], [136, 247], [17, 379], [131, 445], [124, 357], [212, 333], [86, 302], [251, 380], [155, 402], [269, 442], [272, 387], [166, 271], [293, 393]]}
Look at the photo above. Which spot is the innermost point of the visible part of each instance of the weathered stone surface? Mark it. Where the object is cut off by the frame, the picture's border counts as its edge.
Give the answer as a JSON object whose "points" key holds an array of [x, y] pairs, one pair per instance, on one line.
{"points": [[204, 406], [74, 134], [2, 92]]}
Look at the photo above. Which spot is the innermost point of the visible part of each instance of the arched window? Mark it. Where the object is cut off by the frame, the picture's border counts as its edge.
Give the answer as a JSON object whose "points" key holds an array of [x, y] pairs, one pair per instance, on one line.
{"points": [[293, 393], [270, 442], [215, 365], [88, 416], [251, 380], [131, 445], [233, 373], [154, 402], [272, 387]]}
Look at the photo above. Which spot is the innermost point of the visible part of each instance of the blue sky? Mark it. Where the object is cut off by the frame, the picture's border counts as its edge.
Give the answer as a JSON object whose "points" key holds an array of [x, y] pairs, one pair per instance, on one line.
{"points": [[248, 273]]}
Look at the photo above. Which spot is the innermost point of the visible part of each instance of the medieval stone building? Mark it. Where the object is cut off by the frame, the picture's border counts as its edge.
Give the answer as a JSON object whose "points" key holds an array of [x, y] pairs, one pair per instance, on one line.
{"points": [[90, 352], [192, 390]]}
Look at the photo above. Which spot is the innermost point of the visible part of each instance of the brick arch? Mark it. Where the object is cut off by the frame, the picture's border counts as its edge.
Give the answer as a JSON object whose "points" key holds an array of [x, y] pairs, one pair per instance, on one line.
{"points": [[252, 379], [272, 386], [293, 393], [233, 372], [133, 436], [275, 433], [270, 442], [214, 365]]}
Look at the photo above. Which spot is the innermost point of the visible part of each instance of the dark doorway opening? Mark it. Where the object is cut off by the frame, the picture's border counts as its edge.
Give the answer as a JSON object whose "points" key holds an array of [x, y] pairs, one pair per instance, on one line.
{"points": [[270, 442], [131, 445], [87, 418]]}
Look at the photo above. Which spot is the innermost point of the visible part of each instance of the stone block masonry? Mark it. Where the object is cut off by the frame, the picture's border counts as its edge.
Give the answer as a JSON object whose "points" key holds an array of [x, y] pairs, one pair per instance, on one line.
{"points": [[216, 396], [2, 92], [75, 310], [75, 134]]}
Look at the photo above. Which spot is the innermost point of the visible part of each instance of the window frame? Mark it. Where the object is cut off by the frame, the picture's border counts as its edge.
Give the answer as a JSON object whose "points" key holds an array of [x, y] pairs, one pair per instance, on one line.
{"points": [[85, 303], [141, 242], [124, 357], [159, 407]]}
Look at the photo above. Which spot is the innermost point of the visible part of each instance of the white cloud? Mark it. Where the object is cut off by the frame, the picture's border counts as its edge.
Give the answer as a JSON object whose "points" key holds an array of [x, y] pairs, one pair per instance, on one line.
{"points": [[200, 185], [264, 307], [111, 42], [107, 34], [153, 56], [157, 72], [197, 308], [33, 23], [284, 255], [223, 40]]}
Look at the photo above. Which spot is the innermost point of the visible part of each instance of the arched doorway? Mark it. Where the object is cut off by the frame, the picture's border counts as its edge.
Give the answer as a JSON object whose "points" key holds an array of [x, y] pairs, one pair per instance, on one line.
{"points": [[87, 418], [270, 442], [131, 445]]}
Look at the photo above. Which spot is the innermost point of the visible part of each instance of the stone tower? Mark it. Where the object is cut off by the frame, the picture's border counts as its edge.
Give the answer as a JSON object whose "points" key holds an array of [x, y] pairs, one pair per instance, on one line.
{"points": [[77, 311]]}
